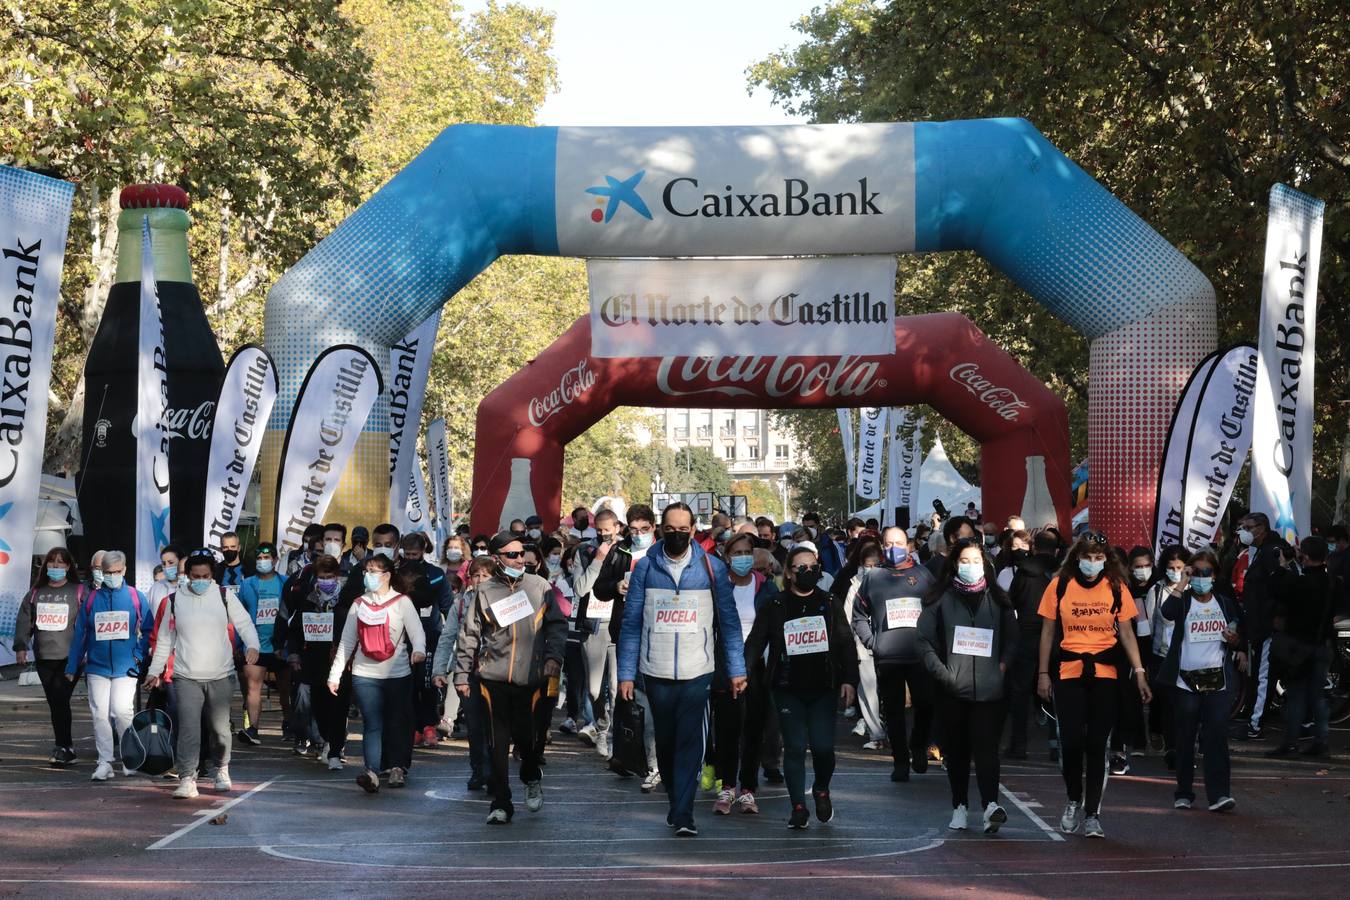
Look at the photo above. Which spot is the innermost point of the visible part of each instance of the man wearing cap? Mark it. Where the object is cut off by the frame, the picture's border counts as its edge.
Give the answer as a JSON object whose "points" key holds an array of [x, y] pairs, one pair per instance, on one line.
{"points": [[353, 558]]}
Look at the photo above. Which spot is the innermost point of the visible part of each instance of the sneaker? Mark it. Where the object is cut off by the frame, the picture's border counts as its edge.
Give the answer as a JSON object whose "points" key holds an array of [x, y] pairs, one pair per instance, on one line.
{"points": [[102, 772], [898, 774], [586, 734], [476, 783], [534, 796], [1182, 803], [1120, 764], [444, 728], [429, 736], [323, 750], [689, 830], [651, 782], [1282, 751], [417, 738], [1138, 753], [568, 726], [369, 781], [334, 764], [874, 745], [800, 818], [851, 712], [724, 800], [824, 808], [960, 819], [64, 756], [222, 782], [1068, 823], [127, 773], [670, 820], [707, 779], [1253, 733], [1092, 827], [249, 735], [860, 729], [1223, 804], [55, 759], [1317, 748], [186, 790], [300, 747], [397, 777], [498, 817], [773, 776], [746, 804], [994, 816], [602, 746], [316, 750]]}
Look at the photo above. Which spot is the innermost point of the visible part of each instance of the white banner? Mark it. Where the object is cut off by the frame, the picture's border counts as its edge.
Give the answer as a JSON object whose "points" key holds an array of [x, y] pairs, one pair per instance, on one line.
{"points": [[1218, 445], [846, 435], [438, 467], [409, 364], [1282, 437], [738, 191], [899, 419], [871, 462], [916, 479], [904, 463], [242, 409], [416, 513], [34, 218], [827, 306], [1167, 517], [151, 430], [330, 411]]}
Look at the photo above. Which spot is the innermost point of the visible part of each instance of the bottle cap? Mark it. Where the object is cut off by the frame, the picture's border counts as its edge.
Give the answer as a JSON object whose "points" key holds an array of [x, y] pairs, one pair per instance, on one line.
{"points": [[153, 196]]}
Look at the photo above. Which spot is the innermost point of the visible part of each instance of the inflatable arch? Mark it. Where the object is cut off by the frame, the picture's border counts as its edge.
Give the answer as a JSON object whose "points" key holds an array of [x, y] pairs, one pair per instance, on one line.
{"points": [[995, 186], [941, 359]]}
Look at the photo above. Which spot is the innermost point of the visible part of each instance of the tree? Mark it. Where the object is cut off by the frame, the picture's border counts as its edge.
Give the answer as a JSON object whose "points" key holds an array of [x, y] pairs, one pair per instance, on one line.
{"points": [[762, 498], [1187, 113]]}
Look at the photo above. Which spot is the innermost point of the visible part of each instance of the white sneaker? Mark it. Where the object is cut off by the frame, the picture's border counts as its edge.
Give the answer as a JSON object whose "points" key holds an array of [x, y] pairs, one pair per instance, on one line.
{"points": [[1181, 803], [102, 772], [223, 782], [323, 751], [602, 745], [960, 819], [334, 764], [874, 745], [127, 773], [994, 816], [1068, 823], [534, 796], [587, 734], [651, 782], [1092, 827], [860, 729], [1223, 804], [186, 790], [498, 817], [851, 712]]}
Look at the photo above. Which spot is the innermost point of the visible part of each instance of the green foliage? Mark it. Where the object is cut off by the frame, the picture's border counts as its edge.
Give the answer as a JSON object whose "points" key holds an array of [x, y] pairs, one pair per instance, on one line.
{"points": [[762, 498], [1188, 113]]}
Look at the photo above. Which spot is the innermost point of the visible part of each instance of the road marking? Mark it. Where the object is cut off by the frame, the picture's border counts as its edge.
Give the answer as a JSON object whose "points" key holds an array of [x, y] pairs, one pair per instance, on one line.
{"points": [[1030, 813], [202, 815]]}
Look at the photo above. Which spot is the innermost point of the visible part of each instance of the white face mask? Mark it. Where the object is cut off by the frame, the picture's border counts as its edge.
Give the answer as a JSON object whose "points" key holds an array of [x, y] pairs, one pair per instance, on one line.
{"points": [[386, 552], [1143, 574], [1246, 537], [332, 548]]}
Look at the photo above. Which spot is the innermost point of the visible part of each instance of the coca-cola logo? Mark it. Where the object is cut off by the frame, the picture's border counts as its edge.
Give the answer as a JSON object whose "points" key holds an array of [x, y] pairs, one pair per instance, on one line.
{"points": [[1003, 401], [574, 382], [768, 376], [193, 424]]}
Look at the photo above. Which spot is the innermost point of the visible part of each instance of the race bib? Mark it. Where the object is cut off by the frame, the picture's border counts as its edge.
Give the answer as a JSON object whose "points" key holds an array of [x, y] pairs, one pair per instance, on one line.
{"points": [[267, 610], [675, 615], [371, 616], [512, 609], [806, 635], [600, 610], [1205, 624], [903, 612], [52, 616], [973, 641], [114, 625], [318, 627]]}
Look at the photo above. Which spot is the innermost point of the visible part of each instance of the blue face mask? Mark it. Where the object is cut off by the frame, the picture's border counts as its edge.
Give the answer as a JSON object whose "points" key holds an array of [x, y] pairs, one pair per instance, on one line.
{"points": [[897, 555], [742, 565], [113, 582], [642, 541], [371, 581], [512, 572], [56, 574], [1202, 586], [264, 566], [1091, 568], [969, 573], [170, 573], [98, 578], [199, 585]]}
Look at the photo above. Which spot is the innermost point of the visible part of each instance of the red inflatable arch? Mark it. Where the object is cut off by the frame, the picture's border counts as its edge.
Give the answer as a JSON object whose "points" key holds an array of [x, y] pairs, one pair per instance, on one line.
{"points": [[941, 359]]}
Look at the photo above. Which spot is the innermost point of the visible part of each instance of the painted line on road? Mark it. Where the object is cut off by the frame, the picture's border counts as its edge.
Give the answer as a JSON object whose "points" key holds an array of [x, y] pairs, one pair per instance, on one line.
{"points": [[169, 839], [1030, 813]]}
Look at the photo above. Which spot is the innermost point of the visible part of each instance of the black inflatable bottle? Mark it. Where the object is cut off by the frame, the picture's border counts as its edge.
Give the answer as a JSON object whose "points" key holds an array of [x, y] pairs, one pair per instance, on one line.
{"points": [[107, 478]]}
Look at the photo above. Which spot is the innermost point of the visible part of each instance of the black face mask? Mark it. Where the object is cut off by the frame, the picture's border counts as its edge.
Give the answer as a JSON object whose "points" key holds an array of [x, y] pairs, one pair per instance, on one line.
{"points": [[676, 542], [806, 579], [532, 568], [231, 556], [763, 543], [581, 524]]}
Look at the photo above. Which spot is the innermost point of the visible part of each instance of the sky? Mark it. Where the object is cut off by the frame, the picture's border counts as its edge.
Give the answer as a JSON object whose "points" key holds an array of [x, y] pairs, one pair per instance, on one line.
{"points": [[664, 62]]}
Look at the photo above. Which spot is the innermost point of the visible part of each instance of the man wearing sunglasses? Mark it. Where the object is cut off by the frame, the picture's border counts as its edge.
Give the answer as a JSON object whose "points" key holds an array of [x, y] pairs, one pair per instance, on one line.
{"points": [[677, 594]]}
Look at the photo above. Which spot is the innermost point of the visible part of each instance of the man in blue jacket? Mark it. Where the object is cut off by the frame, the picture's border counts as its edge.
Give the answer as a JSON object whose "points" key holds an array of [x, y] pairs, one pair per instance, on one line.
{"points": [[679, 603]]}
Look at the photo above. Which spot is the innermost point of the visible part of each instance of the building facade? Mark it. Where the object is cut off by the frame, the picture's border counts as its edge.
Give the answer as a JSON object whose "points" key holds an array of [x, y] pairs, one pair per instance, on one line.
{"points": [[745, 439]]}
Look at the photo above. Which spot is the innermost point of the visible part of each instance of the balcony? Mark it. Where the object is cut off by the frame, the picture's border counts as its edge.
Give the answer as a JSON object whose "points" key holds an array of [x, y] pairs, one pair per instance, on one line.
{"points": [[704, 432], [681, 434], [728, 432]]}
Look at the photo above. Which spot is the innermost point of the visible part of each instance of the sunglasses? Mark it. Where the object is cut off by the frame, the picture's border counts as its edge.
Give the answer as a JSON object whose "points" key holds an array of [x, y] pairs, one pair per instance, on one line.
{"points": [[1096, 537], [512, 554], [1202, 573]]}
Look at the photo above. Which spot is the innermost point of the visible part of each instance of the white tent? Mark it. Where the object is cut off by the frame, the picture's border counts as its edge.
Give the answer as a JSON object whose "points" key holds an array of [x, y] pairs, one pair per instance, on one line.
{"points": [[938, 480]]}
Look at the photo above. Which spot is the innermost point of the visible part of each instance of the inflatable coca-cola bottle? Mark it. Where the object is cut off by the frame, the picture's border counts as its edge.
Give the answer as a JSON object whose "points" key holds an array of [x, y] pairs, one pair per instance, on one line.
{"points": [[107, 477]]}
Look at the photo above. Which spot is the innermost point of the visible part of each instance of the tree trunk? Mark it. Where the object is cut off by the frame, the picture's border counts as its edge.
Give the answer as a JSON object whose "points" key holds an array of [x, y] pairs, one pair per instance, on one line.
{"points": [[1341, 514]]}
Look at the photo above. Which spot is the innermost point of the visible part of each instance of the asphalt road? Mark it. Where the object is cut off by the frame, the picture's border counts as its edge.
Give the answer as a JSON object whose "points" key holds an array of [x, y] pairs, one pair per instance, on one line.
{"points": [[291, 828]]}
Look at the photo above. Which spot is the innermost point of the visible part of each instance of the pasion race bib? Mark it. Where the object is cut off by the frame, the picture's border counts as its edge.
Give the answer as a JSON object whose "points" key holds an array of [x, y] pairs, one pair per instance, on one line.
{"points": [[1205, 624]]}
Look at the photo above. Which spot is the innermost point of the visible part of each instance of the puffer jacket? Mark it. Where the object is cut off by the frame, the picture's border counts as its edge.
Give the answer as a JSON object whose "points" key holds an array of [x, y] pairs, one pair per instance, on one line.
{"points": [[679, 650], [515, 653], [962, 675]]}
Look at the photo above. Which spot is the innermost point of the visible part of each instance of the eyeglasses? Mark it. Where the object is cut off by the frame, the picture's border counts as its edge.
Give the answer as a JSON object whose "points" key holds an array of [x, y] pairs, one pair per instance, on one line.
{"points": [[511, 554]]}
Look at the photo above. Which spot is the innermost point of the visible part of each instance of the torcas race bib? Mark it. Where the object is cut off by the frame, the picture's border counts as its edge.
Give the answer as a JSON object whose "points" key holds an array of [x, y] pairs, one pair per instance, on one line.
{"points": [[318, 627], [806, 635], [52, 616], [735, 191]]}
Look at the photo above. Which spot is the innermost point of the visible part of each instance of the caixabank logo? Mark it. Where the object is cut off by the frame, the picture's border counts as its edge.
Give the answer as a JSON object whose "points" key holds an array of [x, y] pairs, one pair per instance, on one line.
{"points": [[685, 198], [5, 549], [614, 193]]}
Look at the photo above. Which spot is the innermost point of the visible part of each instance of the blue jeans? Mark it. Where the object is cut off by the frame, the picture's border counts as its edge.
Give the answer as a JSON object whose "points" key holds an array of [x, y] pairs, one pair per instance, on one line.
{"points": [[680, 720], [806, 718], [1305, 695], [1190, 711], [386, 721]]}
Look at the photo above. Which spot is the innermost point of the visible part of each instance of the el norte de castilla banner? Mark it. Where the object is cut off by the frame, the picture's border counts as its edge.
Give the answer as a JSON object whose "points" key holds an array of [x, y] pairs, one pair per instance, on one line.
{"points": [[245, 402]]}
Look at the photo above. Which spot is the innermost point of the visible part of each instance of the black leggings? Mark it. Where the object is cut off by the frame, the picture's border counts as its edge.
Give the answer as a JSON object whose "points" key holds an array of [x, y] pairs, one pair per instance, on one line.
{"points": [[58, 688], [1086, 716], [330, 712], [971, 730]]}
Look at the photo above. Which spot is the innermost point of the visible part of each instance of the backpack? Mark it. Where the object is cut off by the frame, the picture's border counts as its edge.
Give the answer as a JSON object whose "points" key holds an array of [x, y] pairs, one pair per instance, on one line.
{"points": [[374, 637]]}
